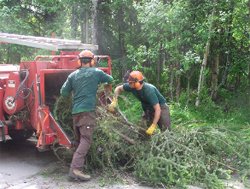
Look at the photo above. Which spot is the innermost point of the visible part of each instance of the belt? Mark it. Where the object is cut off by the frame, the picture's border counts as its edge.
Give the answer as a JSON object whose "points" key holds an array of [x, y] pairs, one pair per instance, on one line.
{"points": [[164, 105]]}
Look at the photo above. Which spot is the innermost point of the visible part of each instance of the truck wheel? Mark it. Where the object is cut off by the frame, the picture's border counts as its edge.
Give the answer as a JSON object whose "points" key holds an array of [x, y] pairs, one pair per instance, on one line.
{"points": [[20, 135]]}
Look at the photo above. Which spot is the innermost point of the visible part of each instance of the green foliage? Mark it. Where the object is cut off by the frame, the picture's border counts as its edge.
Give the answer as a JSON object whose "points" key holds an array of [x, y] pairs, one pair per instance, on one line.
{"points": [[62, 113], [189, 60], [183, 157], [36, 17], [109, 151], [231, 109], [183, 116], [208, 110], [241, 22], [131, 107]]}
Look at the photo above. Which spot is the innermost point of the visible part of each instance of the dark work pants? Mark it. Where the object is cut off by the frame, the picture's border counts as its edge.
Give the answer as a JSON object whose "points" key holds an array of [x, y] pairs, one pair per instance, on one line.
{"points": [[84, 124], [164, 122]]}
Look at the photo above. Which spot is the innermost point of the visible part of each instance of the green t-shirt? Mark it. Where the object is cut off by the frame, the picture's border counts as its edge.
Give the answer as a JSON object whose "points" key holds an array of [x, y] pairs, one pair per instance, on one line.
{"points": [[148, 95], [84, 84]]}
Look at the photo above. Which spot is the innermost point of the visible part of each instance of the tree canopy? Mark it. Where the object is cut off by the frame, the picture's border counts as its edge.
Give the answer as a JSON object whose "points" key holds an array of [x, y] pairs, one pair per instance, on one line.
{"points": [[169, 40]]}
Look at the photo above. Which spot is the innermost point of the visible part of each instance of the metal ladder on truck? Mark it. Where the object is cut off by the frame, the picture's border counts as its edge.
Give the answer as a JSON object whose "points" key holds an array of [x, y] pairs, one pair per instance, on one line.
{"points": [[53, 44]]}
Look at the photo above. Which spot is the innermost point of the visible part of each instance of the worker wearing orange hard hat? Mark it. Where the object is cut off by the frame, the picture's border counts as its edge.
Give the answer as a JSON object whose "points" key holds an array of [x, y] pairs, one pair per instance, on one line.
{"points": [[153, 103], [83, 83]]}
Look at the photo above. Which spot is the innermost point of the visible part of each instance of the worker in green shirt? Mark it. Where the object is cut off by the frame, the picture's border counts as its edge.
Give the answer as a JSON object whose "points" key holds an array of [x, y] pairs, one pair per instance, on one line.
{"points": [[83, 83], [153, 103]]}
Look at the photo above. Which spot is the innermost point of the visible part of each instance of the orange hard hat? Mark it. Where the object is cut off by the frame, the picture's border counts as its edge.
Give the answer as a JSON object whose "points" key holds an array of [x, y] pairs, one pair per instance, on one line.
{"points": [[135, 76], [86, 54]]}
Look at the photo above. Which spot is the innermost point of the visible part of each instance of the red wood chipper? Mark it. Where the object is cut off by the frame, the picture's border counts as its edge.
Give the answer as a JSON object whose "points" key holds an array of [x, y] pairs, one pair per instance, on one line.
{"points": [[27, 90]]}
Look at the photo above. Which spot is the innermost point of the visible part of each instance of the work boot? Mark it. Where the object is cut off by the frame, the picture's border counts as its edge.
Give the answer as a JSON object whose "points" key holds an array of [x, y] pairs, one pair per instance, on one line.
{"points": [[76, 175]]}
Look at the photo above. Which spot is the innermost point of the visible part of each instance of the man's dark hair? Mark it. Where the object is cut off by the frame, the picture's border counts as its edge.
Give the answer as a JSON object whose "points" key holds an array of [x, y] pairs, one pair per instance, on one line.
{"points": [[85, 60]]}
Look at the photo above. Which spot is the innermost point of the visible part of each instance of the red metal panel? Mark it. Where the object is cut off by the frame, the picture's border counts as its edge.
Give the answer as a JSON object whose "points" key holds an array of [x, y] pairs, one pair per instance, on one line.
{"points": [[107, 69], [61, 135], [49, 130], [33, 100], [1, 103], [13, 101], [59, 61]]}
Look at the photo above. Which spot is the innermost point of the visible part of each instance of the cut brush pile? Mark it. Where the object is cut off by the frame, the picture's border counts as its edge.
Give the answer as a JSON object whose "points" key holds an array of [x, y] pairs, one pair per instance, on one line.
{"points": [[179, 157]]}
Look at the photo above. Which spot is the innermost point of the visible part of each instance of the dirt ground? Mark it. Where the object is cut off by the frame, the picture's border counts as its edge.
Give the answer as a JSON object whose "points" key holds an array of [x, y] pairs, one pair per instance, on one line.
{"points": [[23, 167]]}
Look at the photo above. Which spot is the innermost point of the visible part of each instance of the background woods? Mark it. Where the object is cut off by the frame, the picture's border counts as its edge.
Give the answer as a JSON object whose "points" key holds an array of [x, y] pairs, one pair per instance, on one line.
{"points": [[181, 46]]}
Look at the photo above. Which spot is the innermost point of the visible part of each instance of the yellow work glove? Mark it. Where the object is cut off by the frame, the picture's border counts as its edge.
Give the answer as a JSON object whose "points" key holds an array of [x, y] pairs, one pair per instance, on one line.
{"points": [[113, 105], [151, 129]]}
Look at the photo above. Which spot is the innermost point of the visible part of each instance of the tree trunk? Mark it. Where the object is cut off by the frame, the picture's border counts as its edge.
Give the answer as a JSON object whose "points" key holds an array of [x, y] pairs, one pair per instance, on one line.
{"points": [[121, 37], [160, 65], [202, 73], [225, 72], [82, 22], [177, 81], [178, 86], [158, 69], [204, 61], [171, 84], [74, 21], [230, 42], [248, 75], [84, 25], [100, 26], [237, 82], [94, 22], [215, 74], [188, 91]]}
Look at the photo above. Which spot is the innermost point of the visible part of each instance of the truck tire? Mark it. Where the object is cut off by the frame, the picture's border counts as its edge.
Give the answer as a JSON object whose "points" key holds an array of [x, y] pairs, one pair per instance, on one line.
{"points": [[20, 135]]}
